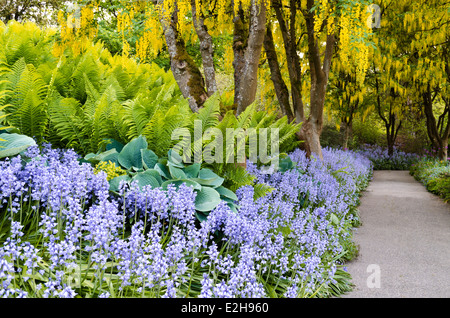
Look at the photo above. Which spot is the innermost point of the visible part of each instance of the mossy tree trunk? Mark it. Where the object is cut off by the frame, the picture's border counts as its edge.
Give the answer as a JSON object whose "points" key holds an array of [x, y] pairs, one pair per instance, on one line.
{"points": [[206, 49], [281, 89], [187, 74], [248, 40]]}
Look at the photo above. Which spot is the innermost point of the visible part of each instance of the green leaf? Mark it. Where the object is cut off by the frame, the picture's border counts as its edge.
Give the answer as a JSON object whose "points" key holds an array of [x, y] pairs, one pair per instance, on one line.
{"points": [[334, 219], [175, 159], [114, 183], [13, 144], [179, 182], [146, 178], [191, 171], [109, 155], [131, 155], [149, 158], [207, 174], [209, 178], [175, 172], [207, 199], [155, 174], [201, 216], [163, 171], [224, 192], [113, 144]]}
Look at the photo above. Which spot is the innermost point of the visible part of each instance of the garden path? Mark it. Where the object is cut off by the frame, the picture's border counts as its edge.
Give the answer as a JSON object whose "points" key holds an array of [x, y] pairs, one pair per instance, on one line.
{"points": [[404, 241]]}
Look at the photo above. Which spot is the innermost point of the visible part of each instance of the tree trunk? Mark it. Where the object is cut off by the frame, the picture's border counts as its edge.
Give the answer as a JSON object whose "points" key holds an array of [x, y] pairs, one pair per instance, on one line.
{"points": [[293, 60], [437, 132], [347, 127], [206, 49], [281, 89], [311, 131], [186, 73], [319, 72], [247, 54]]}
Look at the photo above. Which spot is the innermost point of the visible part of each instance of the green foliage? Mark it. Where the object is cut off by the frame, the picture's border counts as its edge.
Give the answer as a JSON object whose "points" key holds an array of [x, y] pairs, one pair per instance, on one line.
{"points": [[143, 166], [13, 144], [434, 175]]}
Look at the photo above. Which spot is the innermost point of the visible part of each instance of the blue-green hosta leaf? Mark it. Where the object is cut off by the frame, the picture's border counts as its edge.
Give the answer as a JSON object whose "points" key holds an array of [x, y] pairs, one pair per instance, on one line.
{"points": [[146, 178], [207, 199], [201, 216], [149, 158], [227, 193], [175, 159], [209, 178], [214, 183], [13, 144], [113, 144], [109, 155], [207, 174], [155, 174], [192, 170], [131, 155], [175, 172], [177, 183], [163, 171], [115, 183]]}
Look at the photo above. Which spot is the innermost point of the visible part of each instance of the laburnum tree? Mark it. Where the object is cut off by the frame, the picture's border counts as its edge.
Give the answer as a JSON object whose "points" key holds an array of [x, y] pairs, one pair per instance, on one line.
{"points": [[347, 99], [312, 34], [39, 11], [389, 76], [427, 25]]}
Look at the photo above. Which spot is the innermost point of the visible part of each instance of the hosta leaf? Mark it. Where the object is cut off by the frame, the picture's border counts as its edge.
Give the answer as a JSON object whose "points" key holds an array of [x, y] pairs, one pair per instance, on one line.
{"points": [[109, 155], [149, 158], [115, 183], [175, 159], [14, 144], [191, 171], [224, 192], [163, 171], [179, 182], [175, 172], [146, 178], [207, 199], [131, 155]]}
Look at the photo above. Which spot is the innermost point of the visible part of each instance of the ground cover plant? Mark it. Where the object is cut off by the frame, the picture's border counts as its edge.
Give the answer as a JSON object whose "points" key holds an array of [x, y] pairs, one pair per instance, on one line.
{"points": [[399, 160], [434, 175], [64, 235]]}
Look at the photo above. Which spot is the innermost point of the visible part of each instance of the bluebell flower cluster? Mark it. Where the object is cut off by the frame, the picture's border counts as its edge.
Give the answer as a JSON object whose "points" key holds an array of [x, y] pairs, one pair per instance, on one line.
{"points": [[68, 236], [398, 160]]}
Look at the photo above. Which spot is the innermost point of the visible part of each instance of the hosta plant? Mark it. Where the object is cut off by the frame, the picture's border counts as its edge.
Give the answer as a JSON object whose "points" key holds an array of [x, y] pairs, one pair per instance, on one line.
{"points": [[145, 168]]}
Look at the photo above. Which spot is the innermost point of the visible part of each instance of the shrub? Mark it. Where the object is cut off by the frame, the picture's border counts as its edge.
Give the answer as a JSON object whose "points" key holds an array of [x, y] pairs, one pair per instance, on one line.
{"points": [[434, 175]]}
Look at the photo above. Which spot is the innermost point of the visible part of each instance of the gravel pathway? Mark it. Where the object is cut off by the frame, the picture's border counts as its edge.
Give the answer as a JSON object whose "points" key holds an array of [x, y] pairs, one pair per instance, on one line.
{"points": [[404, 241]]}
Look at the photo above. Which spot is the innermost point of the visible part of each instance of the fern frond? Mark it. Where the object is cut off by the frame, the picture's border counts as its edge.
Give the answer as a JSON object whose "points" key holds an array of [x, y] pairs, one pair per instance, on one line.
{"points": [[66, 117], [160, 128], [209, 113]]}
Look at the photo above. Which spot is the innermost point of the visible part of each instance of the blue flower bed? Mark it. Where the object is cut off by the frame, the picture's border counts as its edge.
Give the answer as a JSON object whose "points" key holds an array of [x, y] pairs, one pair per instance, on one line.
{"points": [[63, 234], [399, 160]]}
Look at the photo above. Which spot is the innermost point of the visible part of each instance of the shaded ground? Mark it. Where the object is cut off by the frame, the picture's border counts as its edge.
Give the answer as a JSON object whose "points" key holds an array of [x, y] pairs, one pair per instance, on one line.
{"points": [[404, 240]]}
